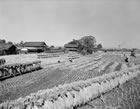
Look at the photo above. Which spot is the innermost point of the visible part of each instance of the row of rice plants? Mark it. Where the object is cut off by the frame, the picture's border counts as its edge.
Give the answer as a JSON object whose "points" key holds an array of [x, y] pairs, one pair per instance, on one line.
{"points": [[90, 62], [85, 65], [98, 72], [112, 67], [47, 55], [82, 63], [75, 75], [69, 64], [79, 74], [102, 67], [93, 67], [79, 63], [62, 63]]}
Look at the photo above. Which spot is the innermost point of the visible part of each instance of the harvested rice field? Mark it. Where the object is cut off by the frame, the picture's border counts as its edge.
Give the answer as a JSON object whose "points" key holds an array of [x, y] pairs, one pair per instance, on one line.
{"points": [[63, 70]]}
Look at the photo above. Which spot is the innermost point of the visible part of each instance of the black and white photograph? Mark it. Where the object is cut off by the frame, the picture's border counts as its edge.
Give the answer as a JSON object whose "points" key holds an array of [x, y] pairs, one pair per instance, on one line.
{"points": [[69, 54]]}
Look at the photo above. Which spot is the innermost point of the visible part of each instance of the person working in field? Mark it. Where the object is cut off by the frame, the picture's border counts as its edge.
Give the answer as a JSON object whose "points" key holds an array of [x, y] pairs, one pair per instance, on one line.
{"points": [[127, 59]]}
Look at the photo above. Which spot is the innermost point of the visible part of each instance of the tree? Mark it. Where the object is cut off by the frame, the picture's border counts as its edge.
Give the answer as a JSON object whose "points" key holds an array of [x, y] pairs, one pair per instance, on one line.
{"points": [[21, 43], [59, 47], [2, 41], [87, 44], [10, 42], [52, 46], [99, 46]]}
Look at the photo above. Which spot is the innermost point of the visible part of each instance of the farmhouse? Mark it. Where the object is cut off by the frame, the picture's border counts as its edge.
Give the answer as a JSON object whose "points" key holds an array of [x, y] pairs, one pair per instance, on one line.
{"points": [[34, 47], [72, 46], [6, 49]]}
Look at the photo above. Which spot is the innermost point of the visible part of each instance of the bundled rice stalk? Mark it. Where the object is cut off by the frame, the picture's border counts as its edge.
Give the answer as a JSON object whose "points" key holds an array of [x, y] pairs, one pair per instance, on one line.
{"points": [[11, 70]]}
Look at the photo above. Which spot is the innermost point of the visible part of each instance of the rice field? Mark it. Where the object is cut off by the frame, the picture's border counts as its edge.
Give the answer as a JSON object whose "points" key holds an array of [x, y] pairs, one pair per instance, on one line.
{"points": [[66, 72]]}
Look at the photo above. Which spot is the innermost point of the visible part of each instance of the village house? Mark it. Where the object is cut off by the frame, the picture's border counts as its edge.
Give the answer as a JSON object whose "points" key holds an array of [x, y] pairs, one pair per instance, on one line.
{"points": [[7, 49], [29, 47], [72, 46]]}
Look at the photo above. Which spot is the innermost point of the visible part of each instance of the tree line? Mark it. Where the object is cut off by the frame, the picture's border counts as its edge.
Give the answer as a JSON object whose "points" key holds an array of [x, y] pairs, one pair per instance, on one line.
{"points": [[4, 41]]}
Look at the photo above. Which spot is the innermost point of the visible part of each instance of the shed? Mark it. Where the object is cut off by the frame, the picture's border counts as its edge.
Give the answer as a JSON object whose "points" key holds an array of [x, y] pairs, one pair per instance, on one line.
{"points": [[6, 49]]}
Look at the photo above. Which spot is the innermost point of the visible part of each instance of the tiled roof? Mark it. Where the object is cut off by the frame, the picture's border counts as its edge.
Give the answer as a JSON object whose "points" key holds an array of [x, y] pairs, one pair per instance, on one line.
{"points": [[71, 45], [4, 46], [34, 44]]}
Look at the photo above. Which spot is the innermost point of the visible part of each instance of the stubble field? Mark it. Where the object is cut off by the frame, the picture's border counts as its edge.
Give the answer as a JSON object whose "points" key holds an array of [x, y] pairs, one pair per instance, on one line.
{"points": [[53, 73]]}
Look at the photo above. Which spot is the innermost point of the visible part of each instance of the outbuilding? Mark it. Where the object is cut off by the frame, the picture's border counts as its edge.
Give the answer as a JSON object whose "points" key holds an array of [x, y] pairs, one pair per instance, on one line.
{"points": [[7, 49]]}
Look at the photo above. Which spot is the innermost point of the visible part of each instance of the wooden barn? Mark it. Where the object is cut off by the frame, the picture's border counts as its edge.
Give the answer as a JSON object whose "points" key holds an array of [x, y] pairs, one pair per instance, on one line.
{"points": [[35, 46], [71, 46], [7, 49]]}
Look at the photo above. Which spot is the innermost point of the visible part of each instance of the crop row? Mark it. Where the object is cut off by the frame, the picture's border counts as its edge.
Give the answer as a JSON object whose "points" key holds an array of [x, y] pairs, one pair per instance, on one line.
{"points": [[88, 63], [92, 67], [74, 94], [102, 67], [75, 64], [84, 65], [79, 74], [47, 55], [11, 70], [83, 73], [113, 66]]}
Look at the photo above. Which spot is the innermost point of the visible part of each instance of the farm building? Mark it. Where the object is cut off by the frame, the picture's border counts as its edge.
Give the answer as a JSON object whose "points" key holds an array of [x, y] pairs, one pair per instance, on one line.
{"points": [[55, 50], [34, 47], [71, 46], [6, 49]]}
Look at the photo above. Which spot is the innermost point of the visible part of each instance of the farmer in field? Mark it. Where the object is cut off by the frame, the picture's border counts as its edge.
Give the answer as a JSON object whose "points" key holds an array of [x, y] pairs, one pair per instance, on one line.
{"points": [[127, 59]]}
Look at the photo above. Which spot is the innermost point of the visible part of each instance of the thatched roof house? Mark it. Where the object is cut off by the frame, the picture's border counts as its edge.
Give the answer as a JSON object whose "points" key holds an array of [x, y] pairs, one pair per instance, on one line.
{"points": [[6, 49]]}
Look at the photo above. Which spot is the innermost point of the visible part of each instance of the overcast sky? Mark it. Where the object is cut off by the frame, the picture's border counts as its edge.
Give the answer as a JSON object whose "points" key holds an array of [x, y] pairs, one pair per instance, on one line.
{"points": [[57, 22]]}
